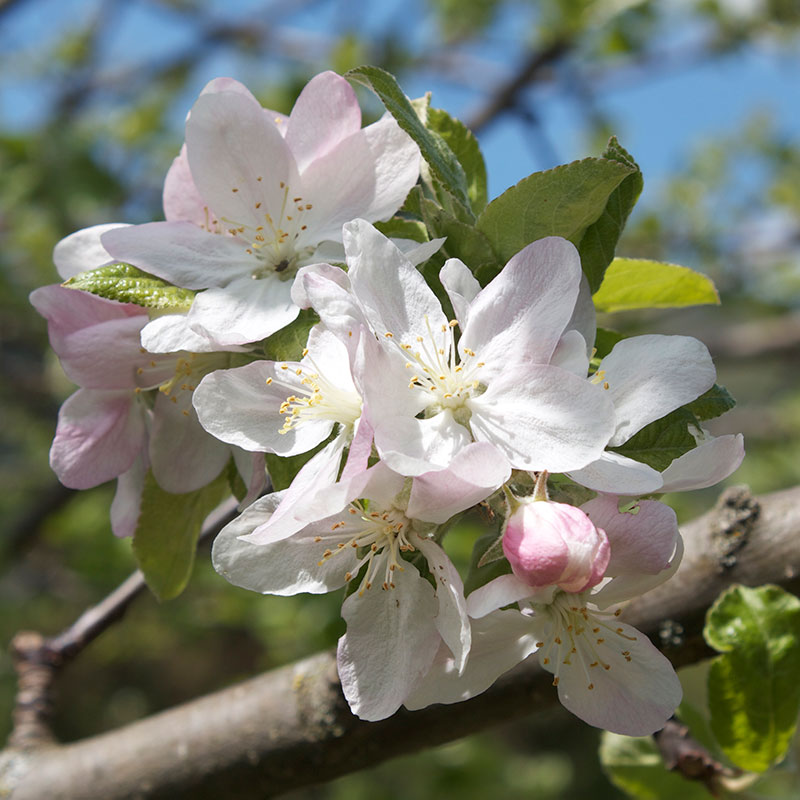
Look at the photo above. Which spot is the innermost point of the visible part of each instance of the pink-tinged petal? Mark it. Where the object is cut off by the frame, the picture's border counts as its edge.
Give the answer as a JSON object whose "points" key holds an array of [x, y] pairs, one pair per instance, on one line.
{"points": [[253, 471], [649, 376], [182, 455], [83, 250], [360, 450], [634, 697], [414, 446], [70, 310], [231, 144], [497, 593], [182, 202], [536, 291], [223, 84], [390, 643], [292, 515], [319, 274], [628, 585], [238, 406], [244, 311], [709, 463], [128, 497], [640, 542], [475, 472], [284, 568], [570, 354], [451, 620], [499, 642], [325, 114], [393, 294], [181, 253], [99, 434], [617, 474], [554, 543], [171, 333], [461, 286], [546, 418]]}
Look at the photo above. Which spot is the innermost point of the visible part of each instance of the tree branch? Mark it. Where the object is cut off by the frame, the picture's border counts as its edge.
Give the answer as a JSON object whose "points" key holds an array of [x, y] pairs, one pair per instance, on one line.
{"points": [[291, 727]]}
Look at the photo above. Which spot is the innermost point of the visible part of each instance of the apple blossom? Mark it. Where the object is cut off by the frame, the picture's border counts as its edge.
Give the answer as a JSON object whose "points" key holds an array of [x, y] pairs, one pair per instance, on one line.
{"points": [[254, 196]]}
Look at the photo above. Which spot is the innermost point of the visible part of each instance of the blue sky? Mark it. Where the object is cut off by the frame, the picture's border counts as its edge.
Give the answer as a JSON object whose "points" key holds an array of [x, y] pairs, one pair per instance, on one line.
{"points": [[658, 119]]}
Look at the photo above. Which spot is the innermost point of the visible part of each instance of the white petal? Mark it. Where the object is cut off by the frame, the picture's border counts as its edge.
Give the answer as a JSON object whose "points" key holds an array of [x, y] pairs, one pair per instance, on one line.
{"points": [[634, 698], [546, 418], [83, 250], [171, 333], [522, 313], [499, 642], [182, 202], [451, 620], [125, 507], [461, 286], [649, 376], [244, 311], [390, 643], [181, 253], [709, 463], [475, 472], [570, 354], [497, 593], [419, 252], [583, 318], [618, 474]]}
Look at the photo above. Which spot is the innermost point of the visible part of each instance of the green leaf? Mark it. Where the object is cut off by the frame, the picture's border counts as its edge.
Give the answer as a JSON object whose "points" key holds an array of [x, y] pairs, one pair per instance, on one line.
{"points": [[599, 242], [443, 163], [753, 688], [397, 228], [289, 343], [127, 284], [563, 201], [658, 443], [604, 342], [634, 765], [463, 241], [638, 283], [462, 142], [282, 469], [165, 540], [715, 402]]}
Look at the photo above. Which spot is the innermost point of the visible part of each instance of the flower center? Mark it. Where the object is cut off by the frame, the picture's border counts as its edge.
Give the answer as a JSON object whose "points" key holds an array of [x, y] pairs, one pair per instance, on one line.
{"points": [[314, 398], [188, 369], [447, 377], [383, 533], [577, 638]]}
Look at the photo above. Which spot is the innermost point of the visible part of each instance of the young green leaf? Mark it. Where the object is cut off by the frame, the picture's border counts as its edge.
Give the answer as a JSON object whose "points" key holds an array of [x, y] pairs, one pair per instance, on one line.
{"points": [[638, 283], [463, 241], [662, 441], [563, 201], [397, 228], [753, 688], [462, 142], [128, 284], [288, 343], [444, 165], [599, 242], [713, 403], [165, 540]]}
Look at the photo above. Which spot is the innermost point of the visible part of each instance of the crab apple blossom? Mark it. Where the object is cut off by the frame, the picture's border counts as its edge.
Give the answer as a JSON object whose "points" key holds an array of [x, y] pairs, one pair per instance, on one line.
{"points": [[366, 530], [429, 395], [607, 672], [253, 196]]}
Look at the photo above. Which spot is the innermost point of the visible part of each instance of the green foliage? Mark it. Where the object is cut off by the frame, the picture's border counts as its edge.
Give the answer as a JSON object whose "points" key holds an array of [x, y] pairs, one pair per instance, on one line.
{"points": [[463, 241], [128, 284], [564, 201], [288, 343], [636, 283], [397, 228], [600, 240], [635, 766], [658, 443], [466, 149], [711, 404], [604, 342], [282, 469], [165, 540], [753, 688], [443, 163]]}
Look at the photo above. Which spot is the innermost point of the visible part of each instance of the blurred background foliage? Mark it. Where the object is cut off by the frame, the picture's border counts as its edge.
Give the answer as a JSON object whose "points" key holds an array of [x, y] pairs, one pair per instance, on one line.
{"points": [[93, 98]]}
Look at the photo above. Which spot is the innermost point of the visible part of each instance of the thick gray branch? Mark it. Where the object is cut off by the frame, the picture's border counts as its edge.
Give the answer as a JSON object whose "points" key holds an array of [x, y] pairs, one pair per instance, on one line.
{"points": [[291, 727]]}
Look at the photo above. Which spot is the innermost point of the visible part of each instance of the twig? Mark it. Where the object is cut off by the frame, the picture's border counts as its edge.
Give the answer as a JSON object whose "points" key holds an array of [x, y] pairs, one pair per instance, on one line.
{"points": [[38, 659]]}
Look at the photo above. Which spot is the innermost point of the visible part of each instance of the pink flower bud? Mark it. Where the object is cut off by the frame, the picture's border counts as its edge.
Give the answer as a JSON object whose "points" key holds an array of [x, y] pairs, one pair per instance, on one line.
{"points": [[555, 544]]}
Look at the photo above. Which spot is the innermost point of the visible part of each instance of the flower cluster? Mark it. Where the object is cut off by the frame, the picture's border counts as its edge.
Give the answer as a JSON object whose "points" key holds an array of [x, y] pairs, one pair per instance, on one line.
{"points": [[413, 394]]}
